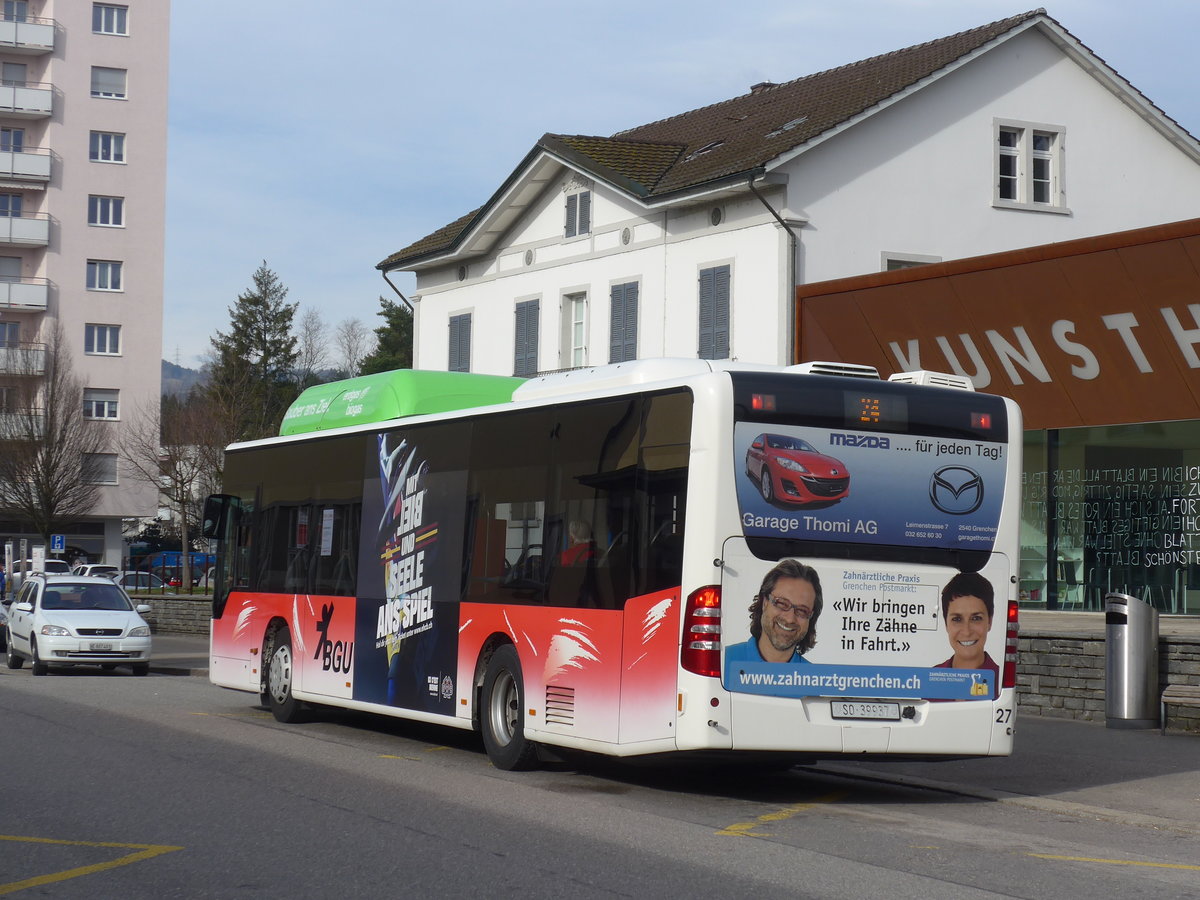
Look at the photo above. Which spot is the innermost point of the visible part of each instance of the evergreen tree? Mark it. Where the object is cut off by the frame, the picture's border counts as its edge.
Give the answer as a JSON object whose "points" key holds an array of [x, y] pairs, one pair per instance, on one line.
{"points": [[394, 340], [253, 363]]}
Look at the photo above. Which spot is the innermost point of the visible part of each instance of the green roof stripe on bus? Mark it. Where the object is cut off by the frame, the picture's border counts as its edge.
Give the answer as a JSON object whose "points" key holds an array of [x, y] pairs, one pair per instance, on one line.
{"points": [[392, 395]]}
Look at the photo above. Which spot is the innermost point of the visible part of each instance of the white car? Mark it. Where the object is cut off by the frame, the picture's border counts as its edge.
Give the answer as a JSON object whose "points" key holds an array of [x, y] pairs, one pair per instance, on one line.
{"points": [[95, 569], [76, 620]]}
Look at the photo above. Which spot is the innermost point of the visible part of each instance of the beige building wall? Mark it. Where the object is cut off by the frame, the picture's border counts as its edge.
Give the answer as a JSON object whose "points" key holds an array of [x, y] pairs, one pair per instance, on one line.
{"points": [[86, 83]]}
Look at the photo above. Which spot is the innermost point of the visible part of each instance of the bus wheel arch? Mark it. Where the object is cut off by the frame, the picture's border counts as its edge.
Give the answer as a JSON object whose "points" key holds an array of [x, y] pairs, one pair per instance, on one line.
{"points": [[501, 710]]}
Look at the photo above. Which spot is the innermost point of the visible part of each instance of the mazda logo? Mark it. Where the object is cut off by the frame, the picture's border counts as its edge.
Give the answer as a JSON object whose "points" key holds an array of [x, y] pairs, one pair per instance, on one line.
{"points": [[956, 490]]}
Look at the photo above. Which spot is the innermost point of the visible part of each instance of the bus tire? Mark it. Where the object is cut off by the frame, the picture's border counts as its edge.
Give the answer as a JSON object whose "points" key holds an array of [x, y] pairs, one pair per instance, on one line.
{"points": [[280, 675], [502, 719]]}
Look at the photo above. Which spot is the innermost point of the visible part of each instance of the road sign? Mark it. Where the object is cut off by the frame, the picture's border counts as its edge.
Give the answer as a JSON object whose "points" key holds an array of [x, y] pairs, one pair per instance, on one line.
{"points": [[58, 543]]}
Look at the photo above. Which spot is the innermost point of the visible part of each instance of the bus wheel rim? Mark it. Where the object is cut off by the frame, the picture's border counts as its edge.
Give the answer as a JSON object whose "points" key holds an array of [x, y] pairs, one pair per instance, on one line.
{"points": [[281, 674]]}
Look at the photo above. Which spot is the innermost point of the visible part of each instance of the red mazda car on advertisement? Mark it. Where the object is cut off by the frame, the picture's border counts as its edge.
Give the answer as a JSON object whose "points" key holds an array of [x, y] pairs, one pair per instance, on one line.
{"points": [[791, 470]]}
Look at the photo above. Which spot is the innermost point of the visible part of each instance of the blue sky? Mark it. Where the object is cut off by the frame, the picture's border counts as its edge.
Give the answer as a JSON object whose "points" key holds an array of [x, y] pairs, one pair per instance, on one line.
{"points": [[322, 137]]}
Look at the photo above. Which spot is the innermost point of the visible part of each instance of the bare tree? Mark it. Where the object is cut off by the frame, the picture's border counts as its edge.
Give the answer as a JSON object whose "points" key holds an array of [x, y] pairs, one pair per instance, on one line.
{"points": [[52, 458], [355, 343], [312, 347], [170, 446]]}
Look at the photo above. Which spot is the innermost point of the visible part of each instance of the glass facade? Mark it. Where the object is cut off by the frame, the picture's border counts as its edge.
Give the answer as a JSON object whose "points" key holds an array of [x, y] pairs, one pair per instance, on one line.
{"points": [[1112, 508]]}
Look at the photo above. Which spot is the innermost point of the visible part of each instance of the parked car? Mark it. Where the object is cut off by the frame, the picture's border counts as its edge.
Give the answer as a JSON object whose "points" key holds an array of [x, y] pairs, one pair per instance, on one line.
{"points": [[49, 566], [141, 581], [73, 620], [95, 569], [207, 578], [789, 469]]}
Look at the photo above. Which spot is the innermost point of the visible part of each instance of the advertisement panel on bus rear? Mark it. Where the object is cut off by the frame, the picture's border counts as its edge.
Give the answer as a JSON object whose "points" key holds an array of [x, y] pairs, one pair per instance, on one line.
{"points": [[861, 629], [903, 490]]}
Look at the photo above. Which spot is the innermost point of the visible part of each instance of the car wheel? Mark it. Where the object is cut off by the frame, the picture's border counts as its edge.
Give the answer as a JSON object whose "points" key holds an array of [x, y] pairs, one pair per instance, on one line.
{"points": [[141, 668], [764, 485], [12, 660], [36, 666], [502, 719], [280, 673]]}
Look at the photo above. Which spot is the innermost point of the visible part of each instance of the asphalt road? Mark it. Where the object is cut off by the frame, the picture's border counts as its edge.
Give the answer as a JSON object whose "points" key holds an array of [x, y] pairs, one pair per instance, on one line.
{"points": [[169, 787]]}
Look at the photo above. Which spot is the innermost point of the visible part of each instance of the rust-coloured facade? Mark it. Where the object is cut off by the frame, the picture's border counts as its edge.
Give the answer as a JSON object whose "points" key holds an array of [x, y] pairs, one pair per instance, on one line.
{"points": [[1099, 331], [1098, 340]]}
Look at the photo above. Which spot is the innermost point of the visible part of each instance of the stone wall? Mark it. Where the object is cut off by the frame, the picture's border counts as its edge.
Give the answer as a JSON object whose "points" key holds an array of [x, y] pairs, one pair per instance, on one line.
{"points": [[178, 615], [1064, 677]]}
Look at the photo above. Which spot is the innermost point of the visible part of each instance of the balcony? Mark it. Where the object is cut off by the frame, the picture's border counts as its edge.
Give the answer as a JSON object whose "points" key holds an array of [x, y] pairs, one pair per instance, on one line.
{"points": [[24, 294], [27, 230], [23, 359], [25, 165], [26, 35], [22, 426], [26, 100]]}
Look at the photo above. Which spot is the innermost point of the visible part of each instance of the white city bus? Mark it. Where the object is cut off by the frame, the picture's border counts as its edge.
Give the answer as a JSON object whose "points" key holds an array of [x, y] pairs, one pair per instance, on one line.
{"points": [[626, 560]]}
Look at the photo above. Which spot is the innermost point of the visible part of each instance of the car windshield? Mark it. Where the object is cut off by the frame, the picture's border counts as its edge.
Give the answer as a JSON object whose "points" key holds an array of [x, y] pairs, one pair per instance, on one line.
{"points": [[85, 596], [779, 442]]}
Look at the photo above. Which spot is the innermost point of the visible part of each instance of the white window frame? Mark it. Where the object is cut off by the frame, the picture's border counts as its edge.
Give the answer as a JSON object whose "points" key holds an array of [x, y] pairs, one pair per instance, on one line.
{"points": [[12, 139], [101, 464], [104, 340], [1027, 158], [893, 262], [106, 275], [574, 343], [106, 147], [109, 92], [102, 404], [110, 18], [105, 211], [578, 214], [16, 11]]}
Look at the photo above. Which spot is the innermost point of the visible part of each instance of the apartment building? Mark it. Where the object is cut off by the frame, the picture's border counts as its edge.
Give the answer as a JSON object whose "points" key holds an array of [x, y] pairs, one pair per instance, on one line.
{"points": [[83, 153]]}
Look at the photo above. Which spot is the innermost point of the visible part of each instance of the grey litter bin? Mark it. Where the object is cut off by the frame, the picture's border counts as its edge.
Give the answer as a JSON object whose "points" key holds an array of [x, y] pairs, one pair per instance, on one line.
{"points": [[1131, 662]]}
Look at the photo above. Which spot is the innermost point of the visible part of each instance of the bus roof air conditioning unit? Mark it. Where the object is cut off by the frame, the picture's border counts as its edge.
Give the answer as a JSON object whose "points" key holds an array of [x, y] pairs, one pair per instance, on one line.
{"points": [[846, 370], [934, 379]]}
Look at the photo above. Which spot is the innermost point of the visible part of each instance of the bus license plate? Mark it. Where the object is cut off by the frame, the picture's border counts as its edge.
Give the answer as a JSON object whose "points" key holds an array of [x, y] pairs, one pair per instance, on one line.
{"points": [[101, 645], [865, 709]]}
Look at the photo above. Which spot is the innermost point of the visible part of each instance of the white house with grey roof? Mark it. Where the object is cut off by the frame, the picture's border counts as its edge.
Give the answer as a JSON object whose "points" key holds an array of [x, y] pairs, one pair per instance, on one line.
{"points": [[686, 237]]}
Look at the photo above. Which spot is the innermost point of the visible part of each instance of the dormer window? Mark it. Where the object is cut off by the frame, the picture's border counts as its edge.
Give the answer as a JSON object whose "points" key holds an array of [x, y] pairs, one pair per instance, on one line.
{"points": [[579, 214]]}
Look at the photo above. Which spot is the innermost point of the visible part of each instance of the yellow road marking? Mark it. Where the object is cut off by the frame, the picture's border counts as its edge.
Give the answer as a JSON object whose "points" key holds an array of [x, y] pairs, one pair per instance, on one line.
{"points": [[145, 851], [1117, 862], [394, 756], [745, 829]]}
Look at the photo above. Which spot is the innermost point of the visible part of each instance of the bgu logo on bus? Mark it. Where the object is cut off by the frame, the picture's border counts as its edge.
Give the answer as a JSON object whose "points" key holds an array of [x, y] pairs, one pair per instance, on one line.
{"points": [[334, 655]]}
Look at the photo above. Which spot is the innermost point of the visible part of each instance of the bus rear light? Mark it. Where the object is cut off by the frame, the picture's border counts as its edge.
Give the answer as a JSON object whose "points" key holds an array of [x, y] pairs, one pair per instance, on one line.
{"points": [[1010, 647], [701, 650]]}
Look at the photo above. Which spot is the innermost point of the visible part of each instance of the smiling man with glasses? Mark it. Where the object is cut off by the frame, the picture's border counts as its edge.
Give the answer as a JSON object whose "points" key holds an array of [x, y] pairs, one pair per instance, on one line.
{"points": [[783, 616]]}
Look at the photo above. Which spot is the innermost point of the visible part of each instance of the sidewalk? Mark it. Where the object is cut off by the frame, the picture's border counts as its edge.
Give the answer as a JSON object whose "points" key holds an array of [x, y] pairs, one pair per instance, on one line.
{"points": [[1083, 769], [179, 654]]}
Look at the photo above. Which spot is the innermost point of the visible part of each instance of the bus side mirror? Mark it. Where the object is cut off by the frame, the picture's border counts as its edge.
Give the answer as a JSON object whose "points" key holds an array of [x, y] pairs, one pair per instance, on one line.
{"points": [[216, 515]]}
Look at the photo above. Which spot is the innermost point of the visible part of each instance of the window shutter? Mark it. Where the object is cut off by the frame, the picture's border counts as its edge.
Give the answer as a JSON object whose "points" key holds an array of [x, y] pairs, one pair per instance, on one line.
{"points": [[707, 312], [585, 212], [572, 206], [525, 351], [721, 319], [714, 313], [622, 338], [460, 343]]}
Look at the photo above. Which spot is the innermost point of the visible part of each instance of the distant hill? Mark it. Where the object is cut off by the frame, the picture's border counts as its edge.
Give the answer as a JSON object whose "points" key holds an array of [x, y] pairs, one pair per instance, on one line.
{"points": [[178, 381]]}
